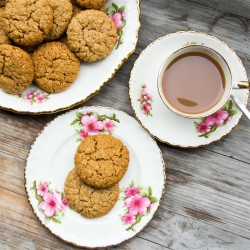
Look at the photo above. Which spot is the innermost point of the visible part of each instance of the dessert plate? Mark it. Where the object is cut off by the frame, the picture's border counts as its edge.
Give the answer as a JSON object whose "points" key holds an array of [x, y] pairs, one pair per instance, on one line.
{"points": [[52, 157], [92, 76], [162, 123]]}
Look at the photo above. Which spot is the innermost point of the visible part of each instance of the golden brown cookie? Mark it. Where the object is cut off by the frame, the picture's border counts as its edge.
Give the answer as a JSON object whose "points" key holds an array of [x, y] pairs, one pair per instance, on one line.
{"points": [[91, 35], [3, 3], [4, 39], [62, 13], [88, 201], [16, 69], [28, 22], [91, 4], [56, 67], [101, 160]]}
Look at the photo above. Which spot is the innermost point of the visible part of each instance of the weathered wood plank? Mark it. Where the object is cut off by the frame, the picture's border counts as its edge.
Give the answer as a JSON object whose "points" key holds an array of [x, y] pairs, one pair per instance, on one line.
{"points": [[237, 7]]}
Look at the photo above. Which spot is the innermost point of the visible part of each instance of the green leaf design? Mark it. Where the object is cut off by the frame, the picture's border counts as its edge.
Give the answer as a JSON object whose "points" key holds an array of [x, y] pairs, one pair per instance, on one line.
{"points": [[79, 115], [230, 104], [232, 112], [149, 191], [153, 199], [123, 23], [39, 198], [115, 6], [119, 32], [56, 220], [74, 122], [121, 9], [132, 183], [144, 194]]}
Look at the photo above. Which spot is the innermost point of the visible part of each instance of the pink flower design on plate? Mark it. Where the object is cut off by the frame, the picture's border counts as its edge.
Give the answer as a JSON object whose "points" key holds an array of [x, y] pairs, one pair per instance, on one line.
{"points": [[145, 100], [138, 204], [146, 107], [131, 191], [29, 95], [117, 19], [83, 133], [217, 118], [33, 96], [108, 124], [92, 124], [204, 127], [49, 205], [42, 189], [40, 97], [129, 219]]}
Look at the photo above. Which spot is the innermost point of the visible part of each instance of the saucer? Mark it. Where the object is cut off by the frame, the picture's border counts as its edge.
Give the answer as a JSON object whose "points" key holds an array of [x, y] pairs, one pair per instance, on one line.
{"points": [[91, 77], [162, 123], [52, 157]]}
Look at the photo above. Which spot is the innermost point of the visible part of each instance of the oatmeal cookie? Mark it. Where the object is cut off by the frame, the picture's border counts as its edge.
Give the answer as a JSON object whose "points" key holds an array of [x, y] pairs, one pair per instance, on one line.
{"points": [[4, 39], [62, 13], [91, 4], [56, 67], [3, 3], [88, 201], [16, 69], [28, 22], [91, 35], [101, 160]]}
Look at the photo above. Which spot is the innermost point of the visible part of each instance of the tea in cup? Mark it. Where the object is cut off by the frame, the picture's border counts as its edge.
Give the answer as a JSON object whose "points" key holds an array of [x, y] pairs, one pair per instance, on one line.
{"points": [[195, 81]]}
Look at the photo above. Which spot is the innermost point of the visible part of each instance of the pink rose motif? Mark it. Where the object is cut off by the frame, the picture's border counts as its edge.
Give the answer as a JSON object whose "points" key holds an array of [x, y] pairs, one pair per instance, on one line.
{"points": [[204, 127], [131, 191], [92, 124], [49, 205], [229, 119], [83, 133], [65, 203], [40, 97], [108, 125], [217, 118], [129, 219], [123, 15], [117, 19], [146, 107], [19, 95], [62, 202], [145, 96], [138, 204], [29, 95], [144, 86], [42, 189]]}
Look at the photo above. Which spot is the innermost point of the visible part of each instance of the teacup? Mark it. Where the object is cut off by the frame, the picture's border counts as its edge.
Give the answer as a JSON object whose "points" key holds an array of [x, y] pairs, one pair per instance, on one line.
{"points": [[195, 81]]}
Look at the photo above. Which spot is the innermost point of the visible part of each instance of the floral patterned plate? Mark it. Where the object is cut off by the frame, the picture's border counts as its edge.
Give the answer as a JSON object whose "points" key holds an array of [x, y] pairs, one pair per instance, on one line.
{"points": [[92, 76], [162, 123], [52, 156]]}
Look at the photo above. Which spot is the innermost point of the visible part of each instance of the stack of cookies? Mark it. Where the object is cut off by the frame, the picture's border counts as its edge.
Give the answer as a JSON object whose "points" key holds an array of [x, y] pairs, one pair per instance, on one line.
{"points": [[57, 34], [92, 188]]}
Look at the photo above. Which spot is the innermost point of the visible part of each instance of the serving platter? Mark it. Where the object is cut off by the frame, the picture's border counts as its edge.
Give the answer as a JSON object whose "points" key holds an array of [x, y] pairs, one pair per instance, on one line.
{"points": [[92, 76], [52, 157], [161, 122]]}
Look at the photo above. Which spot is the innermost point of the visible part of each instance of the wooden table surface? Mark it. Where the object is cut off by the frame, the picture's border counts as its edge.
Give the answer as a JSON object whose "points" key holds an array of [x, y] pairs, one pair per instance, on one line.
{"points": [[207, 200]]}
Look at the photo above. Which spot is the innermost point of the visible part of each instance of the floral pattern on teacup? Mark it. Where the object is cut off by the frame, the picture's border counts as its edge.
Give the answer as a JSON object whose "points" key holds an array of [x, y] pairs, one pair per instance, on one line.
{"points": [[191, 43], [34, 96], [117, 15], [145, 100], [206, 126], [51, 204], [138, 202], [91, 123]]}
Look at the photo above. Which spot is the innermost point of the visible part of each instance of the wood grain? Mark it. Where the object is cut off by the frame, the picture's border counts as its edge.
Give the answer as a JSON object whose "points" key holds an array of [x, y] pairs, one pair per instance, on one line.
{"points": [[207, 199]]}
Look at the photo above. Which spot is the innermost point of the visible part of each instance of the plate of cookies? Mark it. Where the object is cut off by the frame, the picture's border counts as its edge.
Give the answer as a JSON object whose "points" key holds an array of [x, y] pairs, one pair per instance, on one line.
{"points": [[90, 181], [55, 54]]}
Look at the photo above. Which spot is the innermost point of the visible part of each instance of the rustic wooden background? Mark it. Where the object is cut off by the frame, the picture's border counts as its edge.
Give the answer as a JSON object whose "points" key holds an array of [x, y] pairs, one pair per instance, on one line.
{"points": [[207, 199]]}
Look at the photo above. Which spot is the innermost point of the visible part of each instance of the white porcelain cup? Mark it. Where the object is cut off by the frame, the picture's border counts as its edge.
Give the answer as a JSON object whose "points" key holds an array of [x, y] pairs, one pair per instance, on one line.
{"points": [[212, 54]]}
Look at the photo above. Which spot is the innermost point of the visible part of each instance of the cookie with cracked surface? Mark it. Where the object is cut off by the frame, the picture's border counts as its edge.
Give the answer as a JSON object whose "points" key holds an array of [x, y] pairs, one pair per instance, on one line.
{"points": [[62, 13], [91, 4], [88, 201], [16, 69], [91, 35], [56, 67], [101, 160], [28, 22], [4, 39]]}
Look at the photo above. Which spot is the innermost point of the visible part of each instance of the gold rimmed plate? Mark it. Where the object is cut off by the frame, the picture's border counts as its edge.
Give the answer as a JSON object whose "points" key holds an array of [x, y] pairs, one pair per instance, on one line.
{"points": [[52, 157], [161, 122], [92, 76]]}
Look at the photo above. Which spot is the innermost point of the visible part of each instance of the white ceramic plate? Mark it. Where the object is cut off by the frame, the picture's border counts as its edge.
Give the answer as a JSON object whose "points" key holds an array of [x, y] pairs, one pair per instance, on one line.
{"points": [[52, 157], [92, 76], [162, 123]]}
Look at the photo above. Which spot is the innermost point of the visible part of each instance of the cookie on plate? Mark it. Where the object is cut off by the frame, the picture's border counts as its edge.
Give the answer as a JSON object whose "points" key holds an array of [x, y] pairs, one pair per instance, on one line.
{"points": [[101, 160], [88, 201], [91, 35], [56, 67], [28, 22], [4, 39], [62, 13], [92, 4], [16, 69]]}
